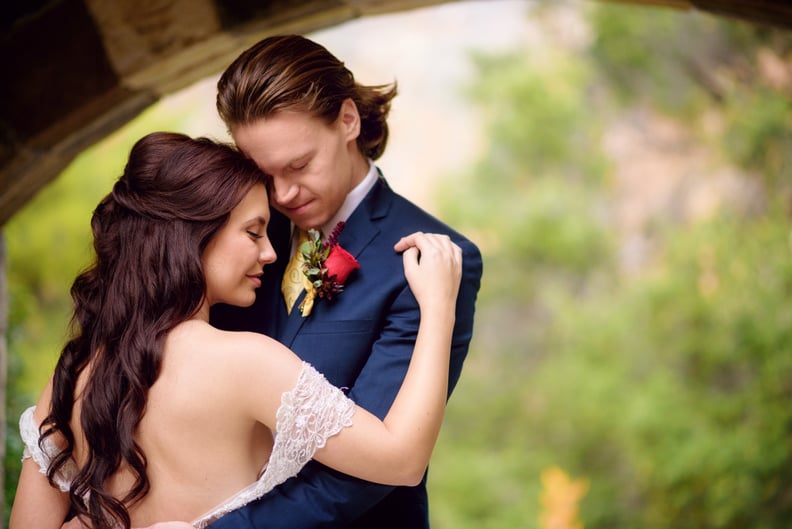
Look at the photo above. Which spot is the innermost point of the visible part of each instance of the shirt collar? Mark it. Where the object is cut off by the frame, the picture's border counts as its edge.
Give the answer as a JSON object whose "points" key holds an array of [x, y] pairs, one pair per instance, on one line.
{"points": [[353, 199]]}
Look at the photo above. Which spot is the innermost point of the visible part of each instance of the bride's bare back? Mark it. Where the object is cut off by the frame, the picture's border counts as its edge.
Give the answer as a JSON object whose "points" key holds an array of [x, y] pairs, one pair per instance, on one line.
{"points": [[201, 445]]}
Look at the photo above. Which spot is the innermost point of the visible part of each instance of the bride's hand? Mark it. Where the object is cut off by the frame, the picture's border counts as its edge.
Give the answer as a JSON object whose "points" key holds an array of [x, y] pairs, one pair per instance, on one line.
{"points": [[433, 268]]}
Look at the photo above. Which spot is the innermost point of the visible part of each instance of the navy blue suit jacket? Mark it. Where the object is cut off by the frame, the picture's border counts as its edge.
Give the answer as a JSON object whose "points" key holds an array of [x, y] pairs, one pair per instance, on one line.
{"points": [[361, 340]]}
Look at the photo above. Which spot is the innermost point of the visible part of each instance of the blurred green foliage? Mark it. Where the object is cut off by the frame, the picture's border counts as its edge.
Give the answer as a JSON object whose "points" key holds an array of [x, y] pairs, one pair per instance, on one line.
{"points": [[667, 389]]}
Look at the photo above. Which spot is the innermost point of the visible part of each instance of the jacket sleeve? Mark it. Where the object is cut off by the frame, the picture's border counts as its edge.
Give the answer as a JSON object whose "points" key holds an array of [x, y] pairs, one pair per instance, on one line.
{"points": [[323, 498]]}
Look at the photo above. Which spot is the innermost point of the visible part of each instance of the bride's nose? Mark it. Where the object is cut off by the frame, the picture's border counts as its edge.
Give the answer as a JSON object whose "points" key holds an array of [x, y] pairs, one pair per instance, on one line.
{"points": [[267, 253]]}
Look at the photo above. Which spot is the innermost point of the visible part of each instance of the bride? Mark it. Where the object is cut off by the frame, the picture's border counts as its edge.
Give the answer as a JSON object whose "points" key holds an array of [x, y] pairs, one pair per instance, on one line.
{"points": [[152, 415]]}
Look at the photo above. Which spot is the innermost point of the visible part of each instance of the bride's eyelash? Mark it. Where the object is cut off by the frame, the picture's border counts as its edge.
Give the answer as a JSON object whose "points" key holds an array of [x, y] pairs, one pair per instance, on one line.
{"points": [[254, 234]]}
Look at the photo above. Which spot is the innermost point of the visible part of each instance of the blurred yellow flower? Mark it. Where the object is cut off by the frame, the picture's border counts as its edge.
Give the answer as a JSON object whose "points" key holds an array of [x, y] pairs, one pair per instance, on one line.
{"points": [[559, 499]]}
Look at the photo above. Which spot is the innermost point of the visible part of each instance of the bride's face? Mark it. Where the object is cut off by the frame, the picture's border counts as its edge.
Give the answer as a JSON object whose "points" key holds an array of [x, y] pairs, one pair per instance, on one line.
{"points": [[234, 259]]}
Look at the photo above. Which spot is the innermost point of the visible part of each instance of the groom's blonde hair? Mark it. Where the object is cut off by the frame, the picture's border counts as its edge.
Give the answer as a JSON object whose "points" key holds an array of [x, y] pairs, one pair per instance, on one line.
{"points": [[291, 72]]}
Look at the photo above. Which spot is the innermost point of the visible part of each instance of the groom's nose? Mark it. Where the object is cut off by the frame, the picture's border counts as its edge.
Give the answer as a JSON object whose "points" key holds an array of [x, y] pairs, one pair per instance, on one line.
{"points": [[284, 191]]}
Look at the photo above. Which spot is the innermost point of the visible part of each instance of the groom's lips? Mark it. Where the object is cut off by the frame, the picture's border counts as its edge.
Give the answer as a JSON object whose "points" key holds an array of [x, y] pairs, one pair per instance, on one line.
{"points": [[296, 210]]}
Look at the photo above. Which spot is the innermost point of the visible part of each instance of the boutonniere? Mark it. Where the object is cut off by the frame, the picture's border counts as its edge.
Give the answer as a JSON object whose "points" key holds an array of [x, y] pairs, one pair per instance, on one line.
{"points": [[327, 266]]}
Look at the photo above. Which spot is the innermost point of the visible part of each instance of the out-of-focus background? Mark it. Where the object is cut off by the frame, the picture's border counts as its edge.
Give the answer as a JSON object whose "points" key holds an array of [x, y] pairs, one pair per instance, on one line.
{"points": [[626, 173]]}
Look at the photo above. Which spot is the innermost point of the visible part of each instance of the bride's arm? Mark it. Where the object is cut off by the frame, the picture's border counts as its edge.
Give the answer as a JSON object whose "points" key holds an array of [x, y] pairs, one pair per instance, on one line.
{"points": [[37, 503], [394, 451]]}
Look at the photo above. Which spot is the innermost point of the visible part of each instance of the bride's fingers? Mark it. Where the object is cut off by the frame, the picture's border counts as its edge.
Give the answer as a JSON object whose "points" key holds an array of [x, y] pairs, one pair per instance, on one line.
{"points": [[407, 241], [410, 257], [423, 241], [432, 264]]}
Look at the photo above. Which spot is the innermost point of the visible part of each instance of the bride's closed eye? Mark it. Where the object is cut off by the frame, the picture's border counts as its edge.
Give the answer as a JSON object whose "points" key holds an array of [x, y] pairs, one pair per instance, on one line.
{"points": [[254, 235]]}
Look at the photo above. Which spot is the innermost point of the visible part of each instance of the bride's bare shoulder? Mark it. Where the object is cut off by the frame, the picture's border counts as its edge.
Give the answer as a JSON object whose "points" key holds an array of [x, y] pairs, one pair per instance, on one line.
{"points": [[244, 370], [199, 339], [194, 332]]}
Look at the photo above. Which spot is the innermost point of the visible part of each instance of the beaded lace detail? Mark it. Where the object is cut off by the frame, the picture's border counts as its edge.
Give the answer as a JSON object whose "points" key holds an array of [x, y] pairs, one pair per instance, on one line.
{"points": [[43, 455], [312, 412]]}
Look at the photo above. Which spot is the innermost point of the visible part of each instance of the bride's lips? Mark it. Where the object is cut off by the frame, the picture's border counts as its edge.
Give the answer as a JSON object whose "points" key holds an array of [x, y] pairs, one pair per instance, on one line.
{"points": [[256, 279]]}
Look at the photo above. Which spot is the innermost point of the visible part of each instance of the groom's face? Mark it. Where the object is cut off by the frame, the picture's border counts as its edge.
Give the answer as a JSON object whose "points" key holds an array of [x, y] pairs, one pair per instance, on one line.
{"points": [[311, 162]]}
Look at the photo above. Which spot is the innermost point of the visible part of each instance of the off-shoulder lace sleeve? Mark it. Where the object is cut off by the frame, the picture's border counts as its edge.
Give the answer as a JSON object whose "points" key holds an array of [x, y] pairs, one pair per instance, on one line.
{"points": [[312, 412], [42, 455]]}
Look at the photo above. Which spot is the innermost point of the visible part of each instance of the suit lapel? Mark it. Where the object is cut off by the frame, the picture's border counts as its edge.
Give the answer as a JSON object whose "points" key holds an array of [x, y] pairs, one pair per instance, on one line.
{"points": [[359, 230], [362, 227]]}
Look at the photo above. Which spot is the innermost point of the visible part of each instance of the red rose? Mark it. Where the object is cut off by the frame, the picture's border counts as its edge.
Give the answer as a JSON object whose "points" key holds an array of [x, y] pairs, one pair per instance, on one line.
{"points": [[340, 264], [325, 275]]}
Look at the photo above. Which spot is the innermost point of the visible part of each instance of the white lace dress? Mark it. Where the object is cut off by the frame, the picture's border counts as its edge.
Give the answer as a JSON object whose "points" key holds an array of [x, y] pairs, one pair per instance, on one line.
{"points": [[309, 414]]}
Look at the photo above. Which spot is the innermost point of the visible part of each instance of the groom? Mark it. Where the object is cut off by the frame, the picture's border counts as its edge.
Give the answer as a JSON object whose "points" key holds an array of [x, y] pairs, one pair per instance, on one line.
{"points": [[296, 110]]}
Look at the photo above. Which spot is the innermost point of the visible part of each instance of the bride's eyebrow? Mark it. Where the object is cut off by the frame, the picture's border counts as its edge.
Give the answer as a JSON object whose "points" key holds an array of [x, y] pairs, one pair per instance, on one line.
{"points": [[257, 220]]}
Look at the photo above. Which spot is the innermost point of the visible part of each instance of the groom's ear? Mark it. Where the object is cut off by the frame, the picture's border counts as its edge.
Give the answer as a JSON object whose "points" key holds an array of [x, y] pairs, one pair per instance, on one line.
{"points": [[349, 118]]}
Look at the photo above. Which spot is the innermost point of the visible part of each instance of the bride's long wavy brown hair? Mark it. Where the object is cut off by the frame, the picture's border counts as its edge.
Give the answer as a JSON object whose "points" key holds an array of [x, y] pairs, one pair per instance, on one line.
{"points": [[149, 234]]}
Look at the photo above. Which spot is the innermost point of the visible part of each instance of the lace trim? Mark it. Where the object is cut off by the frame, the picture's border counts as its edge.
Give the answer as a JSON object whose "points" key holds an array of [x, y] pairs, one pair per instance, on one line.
{"points": [[312, 412], [29, 431]]}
